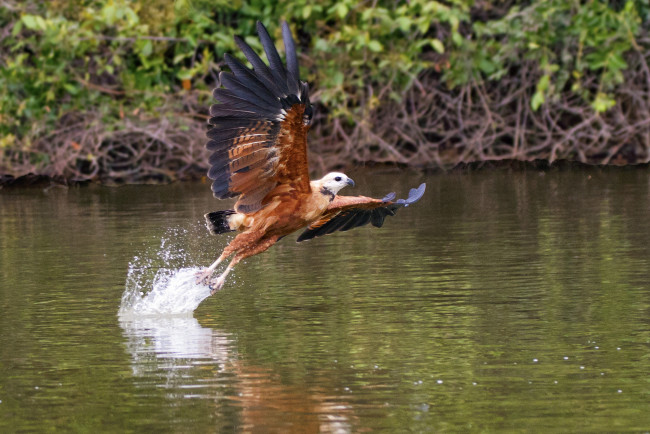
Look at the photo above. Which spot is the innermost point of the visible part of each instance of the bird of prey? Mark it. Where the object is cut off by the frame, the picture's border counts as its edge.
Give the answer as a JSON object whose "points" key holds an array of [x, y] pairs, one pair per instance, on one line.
{"points": [[258, 140]]}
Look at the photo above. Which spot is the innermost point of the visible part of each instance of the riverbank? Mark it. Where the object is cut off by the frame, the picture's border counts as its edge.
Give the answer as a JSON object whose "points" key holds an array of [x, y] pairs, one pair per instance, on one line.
{"points": [[32, 180], [119, 91]]}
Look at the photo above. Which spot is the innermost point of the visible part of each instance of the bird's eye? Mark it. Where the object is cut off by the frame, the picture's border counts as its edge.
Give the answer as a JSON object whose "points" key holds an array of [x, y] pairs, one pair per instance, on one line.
{"points": [[338, 178]]}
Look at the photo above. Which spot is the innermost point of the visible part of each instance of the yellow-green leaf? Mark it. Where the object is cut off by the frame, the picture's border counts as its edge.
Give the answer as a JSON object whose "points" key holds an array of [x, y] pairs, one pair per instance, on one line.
{"points": [[375, 46], [29, 21], [437, 45], [603, 102], [537, 100]]}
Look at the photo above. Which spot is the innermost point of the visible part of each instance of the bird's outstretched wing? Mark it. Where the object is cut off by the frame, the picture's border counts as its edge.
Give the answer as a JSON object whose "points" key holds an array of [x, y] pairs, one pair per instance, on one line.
{"points": [[348, 212], [259, 129]]}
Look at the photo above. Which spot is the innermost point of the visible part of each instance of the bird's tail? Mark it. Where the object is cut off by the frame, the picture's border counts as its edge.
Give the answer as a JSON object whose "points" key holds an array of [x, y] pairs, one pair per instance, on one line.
{"points": [[218, 222]]}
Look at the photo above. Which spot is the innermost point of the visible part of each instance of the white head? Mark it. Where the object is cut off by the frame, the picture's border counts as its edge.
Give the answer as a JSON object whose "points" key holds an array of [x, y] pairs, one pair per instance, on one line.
{"points": [[333, 182]]}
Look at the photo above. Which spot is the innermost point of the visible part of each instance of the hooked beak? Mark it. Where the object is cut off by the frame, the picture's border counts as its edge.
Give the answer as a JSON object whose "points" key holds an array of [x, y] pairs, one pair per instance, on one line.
{"points": [[350, 182]]}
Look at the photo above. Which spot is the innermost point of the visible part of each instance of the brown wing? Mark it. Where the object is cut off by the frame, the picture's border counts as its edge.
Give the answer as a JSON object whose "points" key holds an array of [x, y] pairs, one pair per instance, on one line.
{"points": [[258, 134], [348, 212]]}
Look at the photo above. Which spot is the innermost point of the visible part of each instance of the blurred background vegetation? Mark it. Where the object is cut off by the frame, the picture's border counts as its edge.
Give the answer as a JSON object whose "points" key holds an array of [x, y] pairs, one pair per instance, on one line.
{"points": [[119, 89]]}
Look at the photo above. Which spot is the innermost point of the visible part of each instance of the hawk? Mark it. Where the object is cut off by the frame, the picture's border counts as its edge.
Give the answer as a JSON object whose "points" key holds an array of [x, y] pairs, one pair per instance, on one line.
{"points": [[258, 140]]}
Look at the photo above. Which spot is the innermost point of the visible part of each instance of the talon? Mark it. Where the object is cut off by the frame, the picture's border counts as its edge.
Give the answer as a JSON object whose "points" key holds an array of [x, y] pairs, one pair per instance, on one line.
{"points": [[217, 284], [203, 276]]}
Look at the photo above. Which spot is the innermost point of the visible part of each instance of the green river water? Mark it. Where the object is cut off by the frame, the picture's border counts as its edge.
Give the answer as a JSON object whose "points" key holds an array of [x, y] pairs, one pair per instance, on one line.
{"points": [[501, 302]]}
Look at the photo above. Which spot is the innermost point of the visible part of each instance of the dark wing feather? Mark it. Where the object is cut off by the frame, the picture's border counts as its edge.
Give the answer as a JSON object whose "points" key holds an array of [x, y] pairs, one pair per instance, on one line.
{"points": [[261, 69], [277, 68], [258, 134], [293, 73], [349, 212]]}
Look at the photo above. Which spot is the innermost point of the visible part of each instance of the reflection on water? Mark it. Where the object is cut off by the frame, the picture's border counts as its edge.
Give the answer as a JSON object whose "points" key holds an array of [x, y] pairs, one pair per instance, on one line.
{"points": [[195, 362], [170, 343], [500, 301]]}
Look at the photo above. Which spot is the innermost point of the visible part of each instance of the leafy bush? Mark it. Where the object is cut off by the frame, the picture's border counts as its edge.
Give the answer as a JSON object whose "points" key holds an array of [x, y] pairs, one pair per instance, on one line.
{"points": [[120, 88], [567, 42]]}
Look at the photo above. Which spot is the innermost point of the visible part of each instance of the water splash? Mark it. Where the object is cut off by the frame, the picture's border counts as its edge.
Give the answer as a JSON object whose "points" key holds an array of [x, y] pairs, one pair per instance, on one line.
{"points": [[174, 292], [152, 289]]}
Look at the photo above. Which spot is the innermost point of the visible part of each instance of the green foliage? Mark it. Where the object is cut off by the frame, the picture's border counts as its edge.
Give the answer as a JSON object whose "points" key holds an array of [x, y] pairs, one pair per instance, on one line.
{"points": [[383, 45], [125, 56], [119, 57], [569, 42]]}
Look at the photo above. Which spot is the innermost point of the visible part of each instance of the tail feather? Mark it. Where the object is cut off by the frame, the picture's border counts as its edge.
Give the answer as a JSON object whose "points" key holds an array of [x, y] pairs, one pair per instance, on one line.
{"points": [[217, 222]]}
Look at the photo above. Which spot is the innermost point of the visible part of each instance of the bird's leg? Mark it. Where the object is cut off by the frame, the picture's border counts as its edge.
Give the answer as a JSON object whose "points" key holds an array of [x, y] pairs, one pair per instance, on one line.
{"points": [[203, 275], [240, 241], [264, 244], [217, 284]]}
